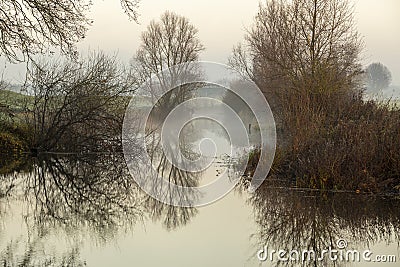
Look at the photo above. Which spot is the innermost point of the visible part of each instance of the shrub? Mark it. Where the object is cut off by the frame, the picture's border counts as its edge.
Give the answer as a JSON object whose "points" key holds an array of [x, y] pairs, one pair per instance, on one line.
{"points": [[10, 145], [18, 130], [353, 145]]}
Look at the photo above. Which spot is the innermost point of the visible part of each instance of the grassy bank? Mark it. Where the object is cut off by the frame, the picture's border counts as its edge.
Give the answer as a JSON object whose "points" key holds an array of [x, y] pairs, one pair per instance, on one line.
{"points": [[15, 135]]}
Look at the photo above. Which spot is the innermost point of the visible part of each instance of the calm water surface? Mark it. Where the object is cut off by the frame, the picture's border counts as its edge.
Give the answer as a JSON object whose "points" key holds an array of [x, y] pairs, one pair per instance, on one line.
{"points": [[86, 210]]}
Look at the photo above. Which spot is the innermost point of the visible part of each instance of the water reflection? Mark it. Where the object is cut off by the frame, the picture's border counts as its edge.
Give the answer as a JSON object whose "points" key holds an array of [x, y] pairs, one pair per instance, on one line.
{"points": [[93, 197], [171, 216], [306, 220], [32, 254], [84, 197]]}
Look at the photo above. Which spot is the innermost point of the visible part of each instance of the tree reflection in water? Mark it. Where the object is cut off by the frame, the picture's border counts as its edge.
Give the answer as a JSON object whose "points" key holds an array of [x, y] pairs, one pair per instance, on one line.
{"points": [[32, 254], [305, 220], [92, 192], [90, 189], [171, 216]]}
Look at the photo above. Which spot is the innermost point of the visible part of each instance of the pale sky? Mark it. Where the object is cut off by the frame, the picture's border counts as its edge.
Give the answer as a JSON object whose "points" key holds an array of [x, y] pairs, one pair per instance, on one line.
{"points": [[222, 24]]}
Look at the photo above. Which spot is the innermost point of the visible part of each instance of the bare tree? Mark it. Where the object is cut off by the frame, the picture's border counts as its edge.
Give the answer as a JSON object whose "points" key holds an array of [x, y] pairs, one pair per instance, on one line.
{"points": [[171, 41], [378, 77], [29, 27], [298, 43], [167, 43], [304, 55], [78, 105]]}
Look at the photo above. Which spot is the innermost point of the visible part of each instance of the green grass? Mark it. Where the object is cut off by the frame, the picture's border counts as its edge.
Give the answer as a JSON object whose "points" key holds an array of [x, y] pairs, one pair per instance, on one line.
{"points": [[15, 101]]}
